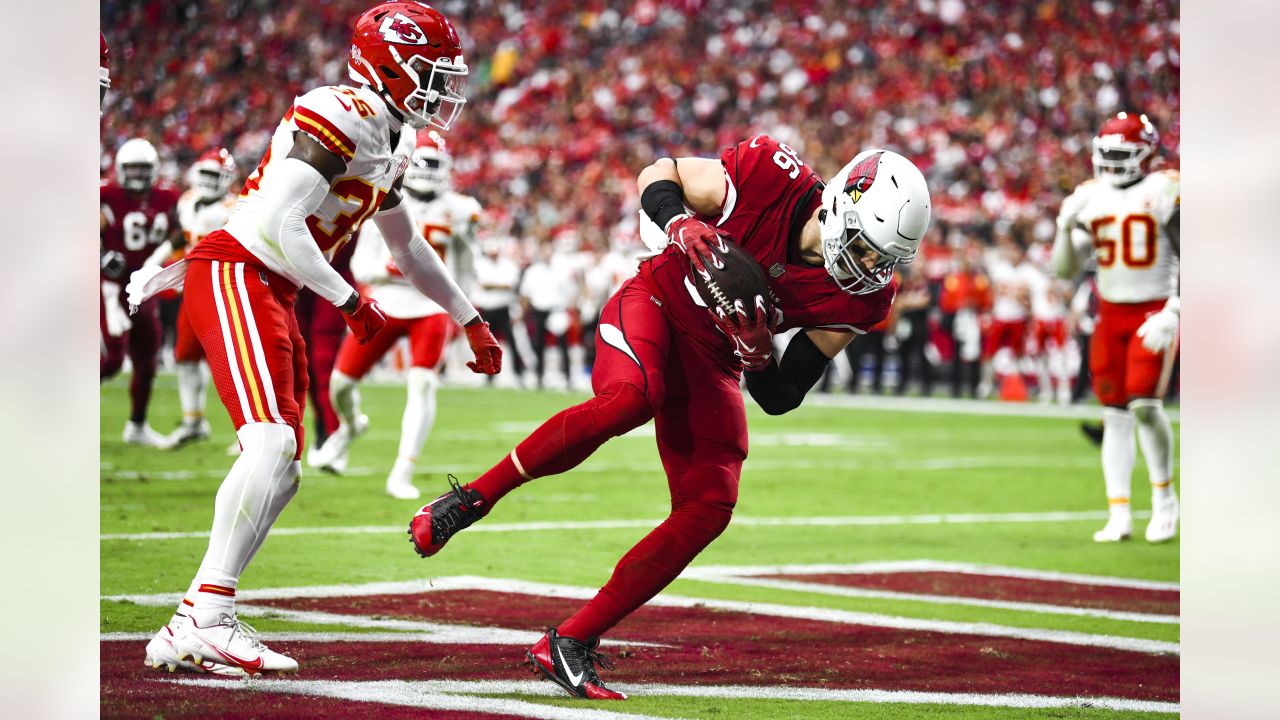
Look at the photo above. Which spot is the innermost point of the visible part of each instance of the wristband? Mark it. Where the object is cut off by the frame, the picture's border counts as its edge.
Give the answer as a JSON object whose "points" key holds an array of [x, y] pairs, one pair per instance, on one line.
{"points": [[663, 201]]}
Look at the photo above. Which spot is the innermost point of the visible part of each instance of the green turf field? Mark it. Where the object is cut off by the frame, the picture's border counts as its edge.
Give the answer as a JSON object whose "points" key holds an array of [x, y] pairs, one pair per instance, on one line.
{"points": [[817, 462]]}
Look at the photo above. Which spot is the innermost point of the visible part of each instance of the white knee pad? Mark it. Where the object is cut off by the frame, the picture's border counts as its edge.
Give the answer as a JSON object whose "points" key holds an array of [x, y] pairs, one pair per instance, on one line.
{"points": [[273, 442], [1146, 410], [422, 380]]}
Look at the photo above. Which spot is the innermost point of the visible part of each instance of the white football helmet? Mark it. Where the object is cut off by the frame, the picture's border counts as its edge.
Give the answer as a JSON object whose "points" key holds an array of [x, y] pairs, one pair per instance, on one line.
{"points": [[137, 165], [430, 170], [878, 204], [212, 174]]}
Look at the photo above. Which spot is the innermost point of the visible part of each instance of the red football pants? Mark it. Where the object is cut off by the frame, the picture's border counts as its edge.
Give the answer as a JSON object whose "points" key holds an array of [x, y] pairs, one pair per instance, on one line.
{"points": [[142, 344], [427, 337], [243, 317], [1122, 369], [642, 370], [186, 346]]}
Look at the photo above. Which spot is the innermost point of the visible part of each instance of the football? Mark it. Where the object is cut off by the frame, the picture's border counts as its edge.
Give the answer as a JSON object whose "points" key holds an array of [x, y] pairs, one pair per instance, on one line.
{"points": [[740, 278]]}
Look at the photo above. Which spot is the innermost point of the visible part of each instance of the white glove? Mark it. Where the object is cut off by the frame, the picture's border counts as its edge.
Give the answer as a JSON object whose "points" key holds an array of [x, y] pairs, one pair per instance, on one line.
{"points": [[1159, 330]]}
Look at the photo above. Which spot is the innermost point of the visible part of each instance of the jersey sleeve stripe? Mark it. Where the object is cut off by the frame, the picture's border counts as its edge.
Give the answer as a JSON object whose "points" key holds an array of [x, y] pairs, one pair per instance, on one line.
{"points": [[324, 131]]}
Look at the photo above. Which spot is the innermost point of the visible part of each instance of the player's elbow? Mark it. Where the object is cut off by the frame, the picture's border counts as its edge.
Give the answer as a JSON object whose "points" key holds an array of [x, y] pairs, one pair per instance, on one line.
{"points": [[777, 403], [661, 169]]}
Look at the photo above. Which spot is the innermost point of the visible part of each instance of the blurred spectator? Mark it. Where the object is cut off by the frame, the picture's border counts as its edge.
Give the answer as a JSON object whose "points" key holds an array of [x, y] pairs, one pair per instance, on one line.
{"points": [[549, 290], [966, 295], [497, 276]]}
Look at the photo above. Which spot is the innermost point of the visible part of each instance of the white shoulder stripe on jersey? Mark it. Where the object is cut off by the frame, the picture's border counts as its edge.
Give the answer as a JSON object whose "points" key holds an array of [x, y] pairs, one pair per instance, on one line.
{"points": [[215, 269], [730, 199], [614, 338], [260, 359]]}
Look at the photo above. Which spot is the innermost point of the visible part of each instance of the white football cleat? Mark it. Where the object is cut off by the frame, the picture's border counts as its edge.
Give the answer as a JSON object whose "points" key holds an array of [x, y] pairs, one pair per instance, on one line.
{"points": [[400, 484], [332, 455], [162, 656], [143, 435], [229, 642], [1119, 528], [190, 432], [1164, 519]]}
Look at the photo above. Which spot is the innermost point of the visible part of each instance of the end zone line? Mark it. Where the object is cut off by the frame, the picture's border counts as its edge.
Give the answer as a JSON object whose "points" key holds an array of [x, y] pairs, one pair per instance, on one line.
{"points": [[850, 520]]}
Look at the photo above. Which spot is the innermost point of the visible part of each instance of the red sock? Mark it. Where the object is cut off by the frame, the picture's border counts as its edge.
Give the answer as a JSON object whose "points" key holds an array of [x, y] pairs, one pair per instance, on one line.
{"points": [[565, 440]]}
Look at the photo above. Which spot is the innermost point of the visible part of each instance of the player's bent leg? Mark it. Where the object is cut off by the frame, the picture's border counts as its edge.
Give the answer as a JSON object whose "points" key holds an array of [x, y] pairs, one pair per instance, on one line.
{"points": [[1155, 437], [344, 392], [260, 483]]}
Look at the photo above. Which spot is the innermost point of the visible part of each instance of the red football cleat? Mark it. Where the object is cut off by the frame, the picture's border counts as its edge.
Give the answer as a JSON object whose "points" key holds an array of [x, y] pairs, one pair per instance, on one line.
{"points": [[571, 665], [453, 511]]}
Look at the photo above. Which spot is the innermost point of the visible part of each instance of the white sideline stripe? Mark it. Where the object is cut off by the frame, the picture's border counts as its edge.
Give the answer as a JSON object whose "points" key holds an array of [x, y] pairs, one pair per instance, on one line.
{"points": [[893, 566], [843, 591], [425, 691], [525, 587], [855, 520], [448, 635], [411, 694], [964, 407]]}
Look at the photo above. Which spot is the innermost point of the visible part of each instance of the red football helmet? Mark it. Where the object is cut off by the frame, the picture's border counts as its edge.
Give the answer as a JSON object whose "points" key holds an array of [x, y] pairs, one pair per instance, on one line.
{"points": [[410, 54], [430, 166], [104, 72], [1122, 148], [212, 173]]}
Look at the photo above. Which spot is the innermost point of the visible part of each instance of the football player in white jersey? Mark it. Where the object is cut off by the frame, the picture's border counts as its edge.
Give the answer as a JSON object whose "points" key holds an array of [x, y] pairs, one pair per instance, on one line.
{"points": [[1129, 218], [1049, 337], [448, 221], [203, 208], [333, 162]]}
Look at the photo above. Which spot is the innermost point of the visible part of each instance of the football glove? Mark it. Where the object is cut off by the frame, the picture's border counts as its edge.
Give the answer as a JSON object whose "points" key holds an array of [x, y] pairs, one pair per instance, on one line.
{"points": [[696, 240], [112, 263], [366, 320], [487, 351], [751, 335], [1159, 330]]}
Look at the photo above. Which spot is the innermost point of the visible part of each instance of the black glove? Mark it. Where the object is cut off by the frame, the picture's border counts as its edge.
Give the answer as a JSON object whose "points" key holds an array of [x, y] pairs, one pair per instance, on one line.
{"points": [[112, 263]]}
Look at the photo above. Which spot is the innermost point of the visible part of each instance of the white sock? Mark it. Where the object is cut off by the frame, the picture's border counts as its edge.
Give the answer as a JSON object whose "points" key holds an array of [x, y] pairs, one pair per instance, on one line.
{"points": [[191, 384], [419, 414], [1118, 455], [1155, 436], [345, 394], [259, 479]]}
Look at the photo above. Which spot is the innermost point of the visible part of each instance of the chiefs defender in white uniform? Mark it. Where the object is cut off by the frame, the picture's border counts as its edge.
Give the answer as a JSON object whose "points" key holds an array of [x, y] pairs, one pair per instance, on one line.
{"points": [[448, 221], [333, 162], [203, 208], [1129, 218]]}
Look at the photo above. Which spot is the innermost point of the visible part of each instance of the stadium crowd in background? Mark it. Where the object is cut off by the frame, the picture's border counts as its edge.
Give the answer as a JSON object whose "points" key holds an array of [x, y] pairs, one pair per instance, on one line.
{"points": [[996, 101]]}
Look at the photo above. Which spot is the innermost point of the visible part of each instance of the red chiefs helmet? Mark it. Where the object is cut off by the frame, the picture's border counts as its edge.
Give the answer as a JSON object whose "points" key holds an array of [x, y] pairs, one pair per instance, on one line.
{"points": [[1122, 147], [410, 54], [212, 173], [104, 72], [430, 166]]}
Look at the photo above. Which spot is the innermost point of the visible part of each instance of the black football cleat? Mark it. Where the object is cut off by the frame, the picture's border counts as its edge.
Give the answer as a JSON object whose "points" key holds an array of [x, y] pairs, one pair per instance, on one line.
{"points": [[453, 511], [1093, 431], [571, 665]]}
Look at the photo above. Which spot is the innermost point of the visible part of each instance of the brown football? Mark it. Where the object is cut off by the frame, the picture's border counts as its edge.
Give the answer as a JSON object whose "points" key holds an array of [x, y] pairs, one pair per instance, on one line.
{"points": [[741, 278]]}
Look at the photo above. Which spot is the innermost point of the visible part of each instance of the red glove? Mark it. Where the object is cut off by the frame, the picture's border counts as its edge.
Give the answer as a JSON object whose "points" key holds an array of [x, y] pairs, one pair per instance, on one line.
{"points": [[487, 351], [366, 320], [698, 241], [751, 335]]}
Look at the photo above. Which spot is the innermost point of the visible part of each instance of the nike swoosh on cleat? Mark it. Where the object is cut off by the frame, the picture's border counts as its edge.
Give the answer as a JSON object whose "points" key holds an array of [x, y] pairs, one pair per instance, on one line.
{"points": [[250, 665], [575, 680]]}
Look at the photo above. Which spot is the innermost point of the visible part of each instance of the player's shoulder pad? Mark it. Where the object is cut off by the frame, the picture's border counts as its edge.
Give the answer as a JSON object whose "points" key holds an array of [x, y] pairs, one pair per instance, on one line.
{"points": [[332, 115]]}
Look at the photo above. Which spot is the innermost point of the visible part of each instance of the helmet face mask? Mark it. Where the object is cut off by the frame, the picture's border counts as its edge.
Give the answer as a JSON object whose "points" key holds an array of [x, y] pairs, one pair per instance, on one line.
{"points": [[430, 168], [874, 213], [211, 176]]}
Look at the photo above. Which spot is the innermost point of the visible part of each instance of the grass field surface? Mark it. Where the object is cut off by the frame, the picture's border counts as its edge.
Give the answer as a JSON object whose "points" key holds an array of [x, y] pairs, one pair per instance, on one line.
{"points": [[886, 560]]}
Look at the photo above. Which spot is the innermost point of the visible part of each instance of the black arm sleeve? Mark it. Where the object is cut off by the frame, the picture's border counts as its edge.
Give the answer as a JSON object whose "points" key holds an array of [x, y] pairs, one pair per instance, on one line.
{"points": [[663, 200], [781, 386]]}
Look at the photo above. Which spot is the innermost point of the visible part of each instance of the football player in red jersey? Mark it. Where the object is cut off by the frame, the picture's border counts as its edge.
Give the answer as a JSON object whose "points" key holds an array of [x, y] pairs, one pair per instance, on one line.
{"points": [[1128, 217], [830, 252], [138, 215], [104, 71], [334, 161]]}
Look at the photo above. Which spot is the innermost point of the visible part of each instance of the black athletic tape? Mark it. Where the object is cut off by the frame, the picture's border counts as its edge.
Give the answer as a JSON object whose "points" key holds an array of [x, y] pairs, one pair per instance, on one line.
{"points": [[662, 201]]}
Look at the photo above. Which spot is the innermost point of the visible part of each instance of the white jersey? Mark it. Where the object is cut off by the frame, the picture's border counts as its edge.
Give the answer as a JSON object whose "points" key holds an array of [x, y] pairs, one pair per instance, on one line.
{"points": [[1047, 298], [352, 123], [448, 223], [496, 281], [1009, 288], [199, 217], [1137, 261]]}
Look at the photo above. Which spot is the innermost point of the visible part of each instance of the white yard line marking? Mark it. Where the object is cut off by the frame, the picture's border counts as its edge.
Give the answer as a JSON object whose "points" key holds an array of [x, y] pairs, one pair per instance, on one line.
{"points": [[850, 520], [427, 693], [445, 635], [538, 589], [963, 407]]}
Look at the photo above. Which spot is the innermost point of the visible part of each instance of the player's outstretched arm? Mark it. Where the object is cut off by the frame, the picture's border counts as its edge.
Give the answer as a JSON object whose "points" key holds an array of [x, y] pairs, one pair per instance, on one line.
{"points": [[780, 386]]}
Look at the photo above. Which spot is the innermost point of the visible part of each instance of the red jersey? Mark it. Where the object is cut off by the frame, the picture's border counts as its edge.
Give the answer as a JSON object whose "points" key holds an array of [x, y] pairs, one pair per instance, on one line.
{"points": [[769, 195], [137, 222]]}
